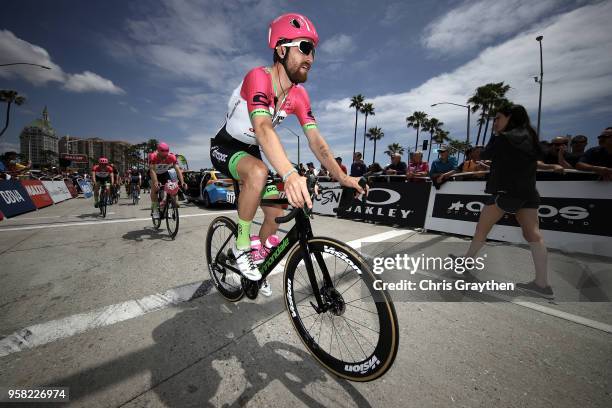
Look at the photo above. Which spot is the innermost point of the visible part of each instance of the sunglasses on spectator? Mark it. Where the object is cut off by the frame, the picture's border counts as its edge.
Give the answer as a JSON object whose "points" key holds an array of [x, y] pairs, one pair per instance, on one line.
{"points": [[579, 142], [305, 47]]}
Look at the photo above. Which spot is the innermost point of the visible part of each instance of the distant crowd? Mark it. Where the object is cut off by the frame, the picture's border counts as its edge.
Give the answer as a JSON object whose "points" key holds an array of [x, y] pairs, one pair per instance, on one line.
{"points": [[559, 154]]}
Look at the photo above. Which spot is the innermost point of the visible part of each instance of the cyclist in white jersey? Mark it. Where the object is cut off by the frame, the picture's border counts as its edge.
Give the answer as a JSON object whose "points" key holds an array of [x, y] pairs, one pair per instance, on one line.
{"points": [[263, 99]]}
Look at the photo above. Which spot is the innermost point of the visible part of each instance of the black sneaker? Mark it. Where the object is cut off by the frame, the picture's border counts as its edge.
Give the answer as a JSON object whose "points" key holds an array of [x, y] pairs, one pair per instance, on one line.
{"points": [[95, 205], [532, 287]]}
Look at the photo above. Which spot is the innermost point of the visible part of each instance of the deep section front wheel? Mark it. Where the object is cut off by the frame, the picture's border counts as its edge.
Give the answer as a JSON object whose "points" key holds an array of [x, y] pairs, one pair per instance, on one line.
{"points": [[355, 335], [172, 218], [220, 240]]}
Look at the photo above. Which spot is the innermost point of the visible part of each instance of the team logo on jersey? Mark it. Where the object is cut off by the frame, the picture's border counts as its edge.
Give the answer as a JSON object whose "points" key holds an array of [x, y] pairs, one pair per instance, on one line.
{"points": [[310, 115], [261, 98]]}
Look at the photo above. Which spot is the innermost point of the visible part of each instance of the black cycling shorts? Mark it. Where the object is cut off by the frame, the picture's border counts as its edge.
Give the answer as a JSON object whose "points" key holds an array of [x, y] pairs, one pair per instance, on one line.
{"points": [[532, 203], [226, 152]]}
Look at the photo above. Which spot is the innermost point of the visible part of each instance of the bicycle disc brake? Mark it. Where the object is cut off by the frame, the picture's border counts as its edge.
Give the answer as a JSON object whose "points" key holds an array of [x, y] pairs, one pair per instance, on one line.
{"points": [[334, 301]]}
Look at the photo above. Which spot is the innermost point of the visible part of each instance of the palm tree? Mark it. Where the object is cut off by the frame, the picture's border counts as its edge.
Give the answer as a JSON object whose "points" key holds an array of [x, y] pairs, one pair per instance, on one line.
{"points": [[357, 103], [10, 97], [485, 99], [375, 134], [457, 147], [431, 125], [394, 148], [416, 120], [151, 145], [368, 110]]}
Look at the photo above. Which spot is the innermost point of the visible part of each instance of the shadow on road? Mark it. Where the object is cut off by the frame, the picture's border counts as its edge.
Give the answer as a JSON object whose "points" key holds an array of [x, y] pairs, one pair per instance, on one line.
{"points": [[91, 215], [209, 355], [147, 233]]}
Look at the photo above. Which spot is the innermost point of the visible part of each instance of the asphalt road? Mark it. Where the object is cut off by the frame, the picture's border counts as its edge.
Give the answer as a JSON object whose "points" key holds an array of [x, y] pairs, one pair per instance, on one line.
{"points": [[125, 316]]}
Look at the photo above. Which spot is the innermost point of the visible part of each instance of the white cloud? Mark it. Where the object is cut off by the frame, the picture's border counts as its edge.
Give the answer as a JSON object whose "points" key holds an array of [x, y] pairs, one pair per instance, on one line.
{"points": [[578, 71], [8, 147], [206, 41], [90, 82], [337, 47], [479, 23], [15, 49]]}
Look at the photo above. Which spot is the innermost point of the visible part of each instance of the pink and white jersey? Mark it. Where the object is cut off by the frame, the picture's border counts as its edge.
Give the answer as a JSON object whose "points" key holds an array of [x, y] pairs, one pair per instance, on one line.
{"points": [[255, 96], [102, 171], [162, 165]]}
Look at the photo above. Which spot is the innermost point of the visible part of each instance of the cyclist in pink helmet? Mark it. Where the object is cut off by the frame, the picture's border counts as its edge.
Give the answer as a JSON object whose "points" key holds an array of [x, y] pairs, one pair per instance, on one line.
{"points": [[159, 163], [266, 96]]}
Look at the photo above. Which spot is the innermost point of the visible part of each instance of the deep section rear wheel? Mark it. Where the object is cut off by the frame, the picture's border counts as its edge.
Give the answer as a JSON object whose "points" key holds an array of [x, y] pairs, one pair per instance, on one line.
{"points": [[356, 335], [220, 240]]}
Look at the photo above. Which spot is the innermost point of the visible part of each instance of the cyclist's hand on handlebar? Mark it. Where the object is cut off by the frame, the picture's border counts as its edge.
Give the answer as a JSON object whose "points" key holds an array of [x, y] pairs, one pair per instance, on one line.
{"points": [[353, 182], [297, 192]]}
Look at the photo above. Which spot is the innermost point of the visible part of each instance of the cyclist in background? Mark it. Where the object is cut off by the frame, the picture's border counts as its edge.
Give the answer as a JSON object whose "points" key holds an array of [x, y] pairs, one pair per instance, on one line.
{"points": [[101, 174], [135, 181], [159, 164]]}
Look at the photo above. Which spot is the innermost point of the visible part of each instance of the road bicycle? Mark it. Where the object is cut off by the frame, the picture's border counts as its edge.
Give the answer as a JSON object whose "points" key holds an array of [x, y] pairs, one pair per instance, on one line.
{"points": [[168, 208], [350, 328], [135, 193], [104, 199]]}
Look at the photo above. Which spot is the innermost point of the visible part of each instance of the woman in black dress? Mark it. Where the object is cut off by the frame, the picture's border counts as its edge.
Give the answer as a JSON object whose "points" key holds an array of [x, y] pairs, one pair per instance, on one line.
{"points": [[515, 152]]}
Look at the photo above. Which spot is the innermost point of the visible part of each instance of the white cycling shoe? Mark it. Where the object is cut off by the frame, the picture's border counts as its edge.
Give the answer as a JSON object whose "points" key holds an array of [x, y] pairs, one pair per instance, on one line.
{"points": [[266, 289], [244, 261]]}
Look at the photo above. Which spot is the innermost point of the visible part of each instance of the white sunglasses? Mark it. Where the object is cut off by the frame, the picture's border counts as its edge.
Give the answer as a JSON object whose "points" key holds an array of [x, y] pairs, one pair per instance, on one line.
{"points": [[305, 47]]}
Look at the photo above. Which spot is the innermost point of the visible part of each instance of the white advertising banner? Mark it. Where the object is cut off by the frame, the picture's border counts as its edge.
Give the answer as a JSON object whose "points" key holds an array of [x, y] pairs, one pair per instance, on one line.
{"points": [[328, 201], [574, 215], [57, 190]]}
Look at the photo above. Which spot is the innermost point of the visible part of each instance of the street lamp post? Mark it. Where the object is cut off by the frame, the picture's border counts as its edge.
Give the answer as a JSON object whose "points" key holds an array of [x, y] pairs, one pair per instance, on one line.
{"points": [[541, 80], [468, 116], [298, 150]]}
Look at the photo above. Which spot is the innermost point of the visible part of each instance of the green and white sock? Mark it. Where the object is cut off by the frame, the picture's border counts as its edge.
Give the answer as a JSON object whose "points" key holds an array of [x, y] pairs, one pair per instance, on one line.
{"points": [[244, 234]]}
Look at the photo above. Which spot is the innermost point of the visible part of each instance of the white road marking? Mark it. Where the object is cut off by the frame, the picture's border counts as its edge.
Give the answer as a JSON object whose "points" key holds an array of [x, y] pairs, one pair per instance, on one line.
{"points": [[594, 324], [40, 334], [565, 316], [84, 223], [44, 333]]}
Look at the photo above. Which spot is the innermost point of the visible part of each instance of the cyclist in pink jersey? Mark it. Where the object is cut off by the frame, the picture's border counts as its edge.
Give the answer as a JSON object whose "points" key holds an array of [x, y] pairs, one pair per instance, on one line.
{"points": [[159, 164], [260, 103]]}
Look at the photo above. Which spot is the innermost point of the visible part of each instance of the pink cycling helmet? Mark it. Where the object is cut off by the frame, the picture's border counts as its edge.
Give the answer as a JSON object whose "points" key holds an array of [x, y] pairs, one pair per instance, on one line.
{"points": [[163, 147], [290, 26], [103, 160]]}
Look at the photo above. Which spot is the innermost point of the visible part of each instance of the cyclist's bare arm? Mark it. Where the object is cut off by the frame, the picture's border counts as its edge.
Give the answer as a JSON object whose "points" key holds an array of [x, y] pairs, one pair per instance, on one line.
{"points": [[153, 174], [112, 177], [93, 177], [321, 150], [179, 173], [295, 185]]}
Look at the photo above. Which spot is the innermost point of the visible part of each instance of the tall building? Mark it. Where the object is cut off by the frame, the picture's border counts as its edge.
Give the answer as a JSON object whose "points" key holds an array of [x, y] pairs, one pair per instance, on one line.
{"points": [[94, 148], [39, 143]]}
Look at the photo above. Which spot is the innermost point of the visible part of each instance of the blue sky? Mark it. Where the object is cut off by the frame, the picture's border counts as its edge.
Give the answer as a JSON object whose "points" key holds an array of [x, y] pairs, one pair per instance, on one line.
{"points": [[165, 69]]}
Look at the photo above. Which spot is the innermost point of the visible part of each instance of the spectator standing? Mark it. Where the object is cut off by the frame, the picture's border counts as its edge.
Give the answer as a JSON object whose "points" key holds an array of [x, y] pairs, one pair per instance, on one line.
{"points": [[443, 164], [311, 171], [578, 146], [323, 172], [358, 168], [599, 159], [397, 166], [558, 153], [342, 166], [417, 167]]}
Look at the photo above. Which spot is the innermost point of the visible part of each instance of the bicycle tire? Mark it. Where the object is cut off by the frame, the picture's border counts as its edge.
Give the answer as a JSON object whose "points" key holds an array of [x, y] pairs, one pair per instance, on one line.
{"points": [[172, 212], [374, 363], [102, 203], [218, 274]]}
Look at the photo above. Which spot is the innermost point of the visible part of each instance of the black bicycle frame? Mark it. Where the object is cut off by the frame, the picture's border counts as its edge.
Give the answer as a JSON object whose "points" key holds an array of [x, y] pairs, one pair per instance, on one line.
{"points": [[300, 233]]}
